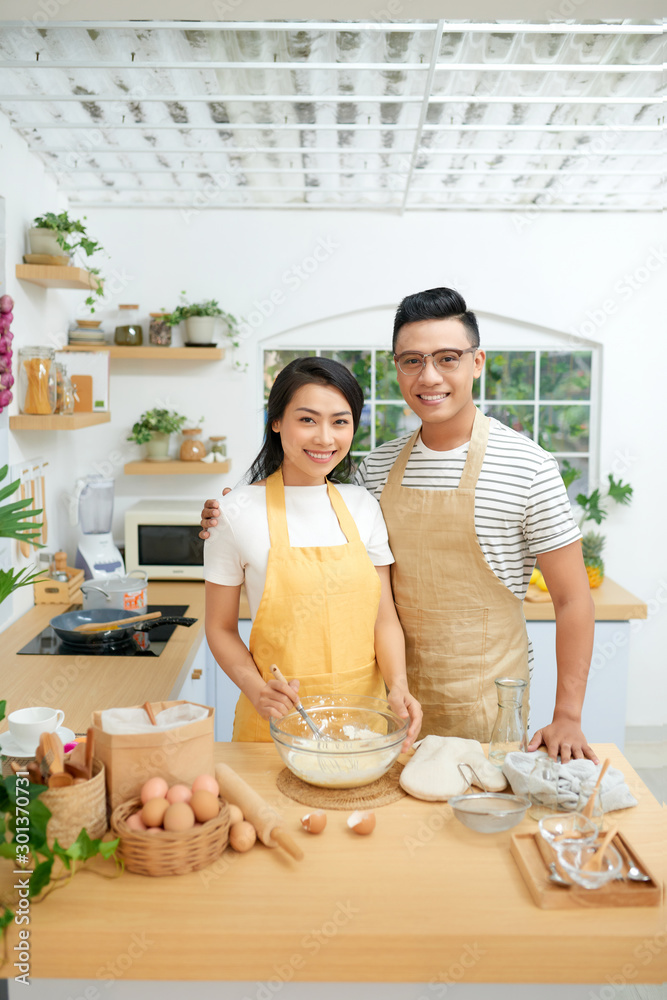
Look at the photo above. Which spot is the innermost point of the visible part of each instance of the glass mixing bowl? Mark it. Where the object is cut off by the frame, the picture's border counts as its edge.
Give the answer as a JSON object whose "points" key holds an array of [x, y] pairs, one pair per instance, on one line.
{"points": [[573, 856], [568, 826], [366, 738]]}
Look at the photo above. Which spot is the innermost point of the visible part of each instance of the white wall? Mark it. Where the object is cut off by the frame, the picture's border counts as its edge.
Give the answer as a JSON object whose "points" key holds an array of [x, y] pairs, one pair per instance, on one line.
{"points": [[559, 271]]}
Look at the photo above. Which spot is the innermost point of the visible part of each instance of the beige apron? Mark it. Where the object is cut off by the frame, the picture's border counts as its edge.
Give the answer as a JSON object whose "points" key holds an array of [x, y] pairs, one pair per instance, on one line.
{"points": [[463, 627]]}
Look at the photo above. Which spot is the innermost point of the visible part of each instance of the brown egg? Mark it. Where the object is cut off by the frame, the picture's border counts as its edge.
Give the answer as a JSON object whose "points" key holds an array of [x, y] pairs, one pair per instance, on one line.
{"points": [[178, 817], [153, 812], [135, 822], [206, 783], [242, 836], [235, 814], [204, 805], [314, 822], [361, 822], [178, 793], [154, 788]]}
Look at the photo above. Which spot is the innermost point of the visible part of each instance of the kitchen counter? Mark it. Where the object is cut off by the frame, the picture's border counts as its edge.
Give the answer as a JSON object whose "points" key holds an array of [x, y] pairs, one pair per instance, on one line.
{"points": [[420, 899], [612, 603], [68, 682]]}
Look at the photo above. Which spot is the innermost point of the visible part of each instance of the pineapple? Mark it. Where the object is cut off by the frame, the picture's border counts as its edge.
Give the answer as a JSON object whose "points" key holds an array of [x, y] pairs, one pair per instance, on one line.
{"points": [[592, 544]]}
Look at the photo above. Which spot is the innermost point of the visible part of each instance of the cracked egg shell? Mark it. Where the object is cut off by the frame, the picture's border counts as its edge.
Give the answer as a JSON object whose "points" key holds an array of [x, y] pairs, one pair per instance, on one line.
{"points": [[361, 822], [314, 822]]}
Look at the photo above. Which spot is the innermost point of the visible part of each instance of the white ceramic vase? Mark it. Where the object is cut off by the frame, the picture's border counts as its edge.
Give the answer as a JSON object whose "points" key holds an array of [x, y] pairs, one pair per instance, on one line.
{"points": [[44, 241], [157, 449], [200, 330]]}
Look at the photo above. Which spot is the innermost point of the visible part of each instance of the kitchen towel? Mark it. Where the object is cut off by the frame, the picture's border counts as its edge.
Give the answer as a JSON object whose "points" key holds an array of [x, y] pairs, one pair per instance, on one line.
{"points": [[433, 773], [525, 779]]}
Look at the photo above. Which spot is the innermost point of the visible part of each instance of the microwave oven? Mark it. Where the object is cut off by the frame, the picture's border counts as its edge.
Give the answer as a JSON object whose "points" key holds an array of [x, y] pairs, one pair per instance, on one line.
{"points": [[162, 538]]}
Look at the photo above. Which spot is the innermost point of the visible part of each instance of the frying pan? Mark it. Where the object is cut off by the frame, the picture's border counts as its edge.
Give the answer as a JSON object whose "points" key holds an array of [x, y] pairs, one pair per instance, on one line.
{"points": [[64, 626]]}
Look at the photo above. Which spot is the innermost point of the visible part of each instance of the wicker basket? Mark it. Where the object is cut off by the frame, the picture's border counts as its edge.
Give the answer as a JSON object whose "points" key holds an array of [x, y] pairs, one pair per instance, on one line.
{"points": [[77, 807], [167, 853]]}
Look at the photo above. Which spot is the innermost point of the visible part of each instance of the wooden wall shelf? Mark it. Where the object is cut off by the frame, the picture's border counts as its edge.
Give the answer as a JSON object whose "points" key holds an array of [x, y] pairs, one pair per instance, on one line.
{"points": [[56, 422], [152, 353], [176, 468], [50, 276]]}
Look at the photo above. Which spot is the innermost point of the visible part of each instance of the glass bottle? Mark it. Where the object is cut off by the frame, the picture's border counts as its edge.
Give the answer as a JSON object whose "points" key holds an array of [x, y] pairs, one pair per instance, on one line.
{"points": [[509, 731], [37, 380], [128, 333], [217, 447], [64, 391], [159, 333], [586, 789], [192, 449]]}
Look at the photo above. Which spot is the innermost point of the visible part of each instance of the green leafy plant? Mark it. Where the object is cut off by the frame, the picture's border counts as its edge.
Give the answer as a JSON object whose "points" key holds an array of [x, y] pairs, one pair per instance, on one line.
{"points": [[157, 421], [14, 524], [48, 867], [186, 310], [71, 235]]}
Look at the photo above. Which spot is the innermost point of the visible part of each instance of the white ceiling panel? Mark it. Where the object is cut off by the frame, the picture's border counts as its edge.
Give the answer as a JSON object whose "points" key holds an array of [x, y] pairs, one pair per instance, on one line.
{"points": [[393, 117]]}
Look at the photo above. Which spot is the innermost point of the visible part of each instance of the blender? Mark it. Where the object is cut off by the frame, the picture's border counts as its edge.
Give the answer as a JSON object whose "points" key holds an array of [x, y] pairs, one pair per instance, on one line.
{"points": [[96, 555]]}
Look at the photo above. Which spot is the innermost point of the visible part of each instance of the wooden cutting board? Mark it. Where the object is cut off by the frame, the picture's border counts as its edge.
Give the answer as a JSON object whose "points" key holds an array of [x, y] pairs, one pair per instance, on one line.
{"points": [[533, 856]]}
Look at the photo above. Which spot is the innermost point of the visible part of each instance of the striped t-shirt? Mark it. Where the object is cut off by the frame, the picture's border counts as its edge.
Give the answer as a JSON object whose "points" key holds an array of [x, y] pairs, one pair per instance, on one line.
{"points": [[521, 506]]}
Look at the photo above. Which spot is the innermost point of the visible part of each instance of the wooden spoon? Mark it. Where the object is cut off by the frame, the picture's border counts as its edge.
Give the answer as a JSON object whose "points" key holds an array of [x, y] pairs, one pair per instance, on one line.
{"points": [[148, 709], [90, 745], [103, 626], [588, 808], [595, 861]]}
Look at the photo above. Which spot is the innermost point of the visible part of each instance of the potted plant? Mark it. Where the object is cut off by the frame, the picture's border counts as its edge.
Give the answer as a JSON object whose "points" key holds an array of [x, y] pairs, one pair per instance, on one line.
{"points": [[592, 542], [201, 319], [60, 236], [153, 428]]}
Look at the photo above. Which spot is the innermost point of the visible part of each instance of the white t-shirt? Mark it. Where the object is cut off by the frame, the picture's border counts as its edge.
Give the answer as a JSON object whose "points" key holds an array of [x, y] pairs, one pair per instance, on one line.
{"points": [[238, 548], [521, 505]]}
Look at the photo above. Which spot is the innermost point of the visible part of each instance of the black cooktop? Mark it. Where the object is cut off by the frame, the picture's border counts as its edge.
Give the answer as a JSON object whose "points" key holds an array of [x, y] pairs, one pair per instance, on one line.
{"points": [[140, 644]]}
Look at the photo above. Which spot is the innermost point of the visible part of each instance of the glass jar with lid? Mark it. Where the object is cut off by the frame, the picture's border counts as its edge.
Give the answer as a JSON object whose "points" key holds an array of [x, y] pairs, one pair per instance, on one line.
{"points": [[64, 391], [218, 447], [128, 332], [159, 332], [192, 449], [37, 380]]}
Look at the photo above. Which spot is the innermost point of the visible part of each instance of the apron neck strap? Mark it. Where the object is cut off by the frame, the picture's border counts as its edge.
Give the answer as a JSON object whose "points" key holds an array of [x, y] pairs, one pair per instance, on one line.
{"points": [[276, 511], [476, 452], [395, 477]]}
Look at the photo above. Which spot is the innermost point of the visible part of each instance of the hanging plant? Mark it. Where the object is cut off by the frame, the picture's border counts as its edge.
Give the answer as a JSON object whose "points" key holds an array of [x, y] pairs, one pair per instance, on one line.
{"points": [[6, 337]]}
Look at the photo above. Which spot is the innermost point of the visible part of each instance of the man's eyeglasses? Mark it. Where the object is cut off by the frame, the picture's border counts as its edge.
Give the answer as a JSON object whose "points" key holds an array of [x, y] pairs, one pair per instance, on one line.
{"points": [[447, 360]]}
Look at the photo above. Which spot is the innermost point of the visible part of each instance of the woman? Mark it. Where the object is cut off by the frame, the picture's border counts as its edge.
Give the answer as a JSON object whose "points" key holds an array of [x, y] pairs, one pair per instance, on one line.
{"points": [[315, 561]]}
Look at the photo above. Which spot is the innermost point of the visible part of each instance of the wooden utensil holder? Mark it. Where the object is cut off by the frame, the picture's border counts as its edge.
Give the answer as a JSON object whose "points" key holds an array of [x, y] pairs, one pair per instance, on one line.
{"points": [[48, 591]]}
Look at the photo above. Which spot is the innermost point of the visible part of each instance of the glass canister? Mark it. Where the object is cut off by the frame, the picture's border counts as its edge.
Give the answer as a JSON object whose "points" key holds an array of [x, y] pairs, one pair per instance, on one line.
{"points": [[543, 793], [509, 731], [159, 333], [64, 391], [128, 332], [37, 380], [218, 447], [192, 449]]}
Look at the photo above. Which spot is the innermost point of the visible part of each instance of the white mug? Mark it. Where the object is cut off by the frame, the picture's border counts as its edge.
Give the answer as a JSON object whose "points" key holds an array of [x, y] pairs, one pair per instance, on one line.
{"points": [[27, 725]]}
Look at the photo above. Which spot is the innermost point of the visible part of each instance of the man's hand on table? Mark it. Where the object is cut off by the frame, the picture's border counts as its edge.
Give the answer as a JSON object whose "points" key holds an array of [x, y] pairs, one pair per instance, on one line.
{"points": [[563, 736]]}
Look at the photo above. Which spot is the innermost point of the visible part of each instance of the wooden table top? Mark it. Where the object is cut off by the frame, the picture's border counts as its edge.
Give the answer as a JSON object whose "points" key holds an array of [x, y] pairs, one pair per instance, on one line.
{"points": [[419, 900], [613, 603]]}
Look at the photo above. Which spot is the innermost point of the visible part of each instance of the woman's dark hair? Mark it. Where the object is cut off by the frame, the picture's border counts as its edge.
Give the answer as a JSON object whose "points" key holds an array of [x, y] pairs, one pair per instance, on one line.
{"points": [[300, 372], [435, 303]]}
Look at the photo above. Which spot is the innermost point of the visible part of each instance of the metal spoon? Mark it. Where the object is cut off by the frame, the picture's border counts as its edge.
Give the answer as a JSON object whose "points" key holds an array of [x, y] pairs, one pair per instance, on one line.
{"points": [[634, 873], [299, 707]]}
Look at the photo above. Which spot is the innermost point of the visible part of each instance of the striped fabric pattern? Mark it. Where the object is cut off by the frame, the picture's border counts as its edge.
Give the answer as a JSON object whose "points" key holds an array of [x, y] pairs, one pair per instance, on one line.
{"points": [[521, 506]]}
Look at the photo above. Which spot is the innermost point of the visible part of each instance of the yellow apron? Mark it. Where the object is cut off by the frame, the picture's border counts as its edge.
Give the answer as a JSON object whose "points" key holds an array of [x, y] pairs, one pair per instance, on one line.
{"points": [[463, 627], [316, 618]]}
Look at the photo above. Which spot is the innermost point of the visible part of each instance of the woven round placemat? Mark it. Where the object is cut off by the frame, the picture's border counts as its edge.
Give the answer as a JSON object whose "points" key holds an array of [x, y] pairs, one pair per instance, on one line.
{"points": [[379, 793]]}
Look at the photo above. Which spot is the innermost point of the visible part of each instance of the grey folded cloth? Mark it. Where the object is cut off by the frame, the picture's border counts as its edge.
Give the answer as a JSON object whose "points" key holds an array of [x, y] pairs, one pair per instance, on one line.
{"points": [[526, 779]]}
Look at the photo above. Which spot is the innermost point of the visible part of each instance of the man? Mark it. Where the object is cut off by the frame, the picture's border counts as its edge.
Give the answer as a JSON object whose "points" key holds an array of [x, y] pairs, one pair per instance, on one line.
{"points": [[469, 504]]}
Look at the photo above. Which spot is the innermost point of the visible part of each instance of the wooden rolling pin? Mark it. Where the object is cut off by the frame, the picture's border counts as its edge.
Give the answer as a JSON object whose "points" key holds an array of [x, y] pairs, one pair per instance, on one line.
{"points": [[267, 822]]}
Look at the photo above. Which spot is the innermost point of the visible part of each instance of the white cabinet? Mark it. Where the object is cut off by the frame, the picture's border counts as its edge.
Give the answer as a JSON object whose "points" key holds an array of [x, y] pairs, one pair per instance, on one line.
{"points": [[197, 684], [226, 692]]}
